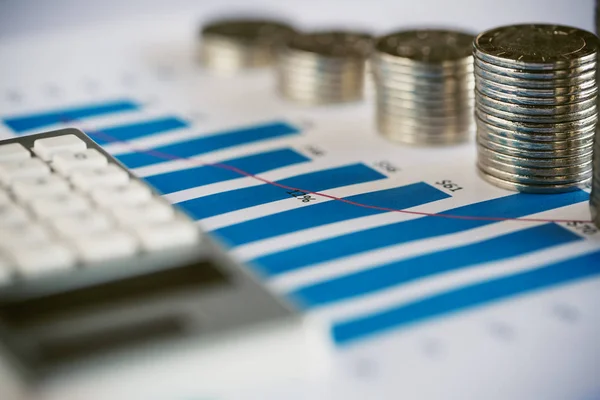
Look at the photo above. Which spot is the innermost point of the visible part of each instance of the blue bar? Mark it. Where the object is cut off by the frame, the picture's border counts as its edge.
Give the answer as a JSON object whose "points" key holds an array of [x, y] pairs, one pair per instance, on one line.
{"points": [[170, 182], [329, 212], [27, 122], [238, 199], [136, 130], [402, 272], [470, 296], [512, 206], [206, 144]]}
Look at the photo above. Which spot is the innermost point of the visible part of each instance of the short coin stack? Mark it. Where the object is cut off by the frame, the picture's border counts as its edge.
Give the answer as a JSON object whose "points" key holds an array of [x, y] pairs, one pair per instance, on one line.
{"points": [[536, 106], [324, 67], [228, 46], [424, 86]]}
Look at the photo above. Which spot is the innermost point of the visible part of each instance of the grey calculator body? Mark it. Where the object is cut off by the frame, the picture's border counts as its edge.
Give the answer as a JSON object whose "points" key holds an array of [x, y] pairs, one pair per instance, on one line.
{"points": [[67, 319]]}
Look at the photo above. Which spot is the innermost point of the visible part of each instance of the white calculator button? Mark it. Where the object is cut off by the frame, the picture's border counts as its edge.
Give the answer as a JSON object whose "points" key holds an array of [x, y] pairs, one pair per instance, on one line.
{"points": [[43, 186], [64, 204], [30, 168], [109, 176], [12, 215], [41, 259], [67, 162], [13, 152], [23, 236], [133, 193], [45, 148], [150, 212], [81, 224], [165, 235], [105, 245]]}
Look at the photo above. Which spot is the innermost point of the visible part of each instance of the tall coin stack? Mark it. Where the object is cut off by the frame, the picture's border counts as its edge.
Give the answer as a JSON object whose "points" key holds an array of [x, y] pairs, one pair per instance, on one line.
{"points": [[228, 46], [424, 86], [324, 67], [595, 195], [536, 106]]}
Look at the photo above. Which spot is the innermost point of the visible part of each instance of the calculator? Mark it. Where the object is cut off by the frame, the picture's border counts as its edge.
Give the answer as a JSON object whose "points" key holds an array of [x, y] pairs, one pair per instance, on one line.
{"points": [[95, 266]]}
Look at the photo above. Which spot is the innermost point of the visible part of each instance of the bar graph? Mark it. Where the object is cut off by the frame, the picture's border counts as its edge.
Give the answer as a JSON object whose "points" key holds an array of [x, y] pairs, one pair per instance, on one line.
{"points": [[469, 297], [328, 212], [27, 122], [175, 181], [406, 271], [511, 206], [314, 211], [207, 143], [220, 203], [104, 136]]}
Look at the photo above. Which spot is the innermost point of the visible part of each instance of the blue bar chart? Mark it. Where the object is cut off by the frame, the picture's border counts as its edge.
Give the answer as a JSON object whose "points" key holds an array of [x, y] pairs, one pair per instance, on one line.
{"points": [[104, 136], [405, 271], [330, 212], [469, 297], [220, 203], [27, 122], [511, 206], [313, 211], [207, 143], [175, 181]]}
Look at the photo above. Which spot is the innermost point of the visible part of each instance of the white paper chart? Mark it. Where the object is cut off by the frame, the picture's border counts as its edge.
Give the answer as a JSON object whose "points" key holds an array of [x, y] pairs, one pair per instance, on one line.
{"points": [[433, 281]]}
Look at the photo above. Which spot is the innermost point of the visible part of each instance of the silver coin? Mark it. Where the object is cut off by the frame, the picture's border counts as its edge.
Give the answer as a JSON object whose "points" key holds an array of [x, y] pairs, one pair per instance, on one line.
{"points": [[315, 62], [451, 104], [535, 119], [516, 97], [334, 44], [536, 93], [407, 116], [424, 86], [529, 109], [535, 179], [324, 67], [536, 46], [305, 81], [417, 135], [533, 171], [531, 142], [534, 153], [419, 70], [544, 137], [532, 162], [537, 128], [426, 46], [586, 78], [536, 74], [529, 188], [232, 44]]}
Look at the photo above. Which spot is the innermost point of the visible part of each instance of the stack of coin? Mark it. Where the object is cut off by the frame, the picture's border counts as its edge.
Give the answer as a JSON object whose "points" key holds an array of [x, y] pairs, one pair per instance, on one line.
{"points": [[595, 195], [323, 67], [228, 46], [535, 103], [424, 86]]}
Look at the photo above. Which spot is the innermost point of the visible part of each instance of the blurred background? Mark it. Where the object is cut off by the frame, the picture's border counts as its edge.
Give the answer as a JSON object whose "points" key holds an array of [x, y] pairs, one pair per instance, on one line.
{"points": [[19, 17]]}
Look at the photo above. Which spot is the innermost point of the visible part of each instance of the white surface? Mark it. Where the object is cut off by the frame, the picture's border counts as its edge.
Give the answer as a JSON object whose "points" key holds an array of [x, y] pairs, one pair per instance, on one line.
{"points": [[539, 346]]}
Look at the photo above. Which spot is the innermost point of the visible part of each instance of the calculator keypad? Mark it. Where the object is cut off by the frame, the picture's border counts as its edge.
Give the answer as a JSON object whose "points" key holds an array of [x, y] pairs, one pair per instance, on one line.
{"points": [[66, 205]]}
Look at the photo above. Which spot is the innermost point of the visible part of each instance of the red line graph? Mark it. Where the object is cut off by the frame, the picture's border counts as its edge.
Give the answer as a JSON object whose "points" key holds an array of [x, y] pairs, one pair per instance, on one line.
{"points": [[170, 157]]}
